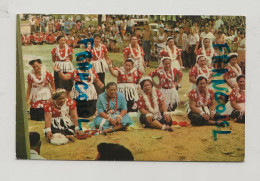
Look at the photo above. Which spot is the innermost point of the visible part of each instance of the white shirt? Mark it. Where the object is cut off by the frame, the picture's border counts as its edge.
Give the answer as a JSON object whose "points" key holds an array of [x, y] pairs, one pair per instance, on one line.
{"points": [[193, 39], [218, 23], [130, 23], [208, 35], [36, 156]]}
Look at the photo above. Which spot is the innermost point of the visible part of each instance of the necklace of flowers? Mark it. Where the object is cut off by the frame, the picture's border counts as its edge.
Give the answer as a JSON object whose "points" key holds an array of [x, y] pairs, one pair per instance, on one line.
{"points": [[235, 69], [138, 53], [167, 77], [58, 52], [43, 73], [122, 70], [113, 111], [203, 51], [147, 102], [200, 97], [200, 72], [172, 55], [98, 57]]}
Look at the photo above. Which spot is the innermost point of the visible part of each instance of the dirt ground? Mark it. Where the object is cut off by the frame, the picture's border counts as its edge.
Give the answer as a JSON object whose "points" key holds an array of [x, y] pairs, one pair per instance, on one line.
{"points": [[184, 144]]}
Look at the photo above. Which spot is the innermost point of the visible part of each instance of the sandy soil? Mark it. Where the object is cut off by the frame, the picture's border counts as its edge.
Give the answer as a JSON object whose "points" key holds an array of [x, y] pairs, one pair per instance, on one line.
{"points": [[184, 144]]}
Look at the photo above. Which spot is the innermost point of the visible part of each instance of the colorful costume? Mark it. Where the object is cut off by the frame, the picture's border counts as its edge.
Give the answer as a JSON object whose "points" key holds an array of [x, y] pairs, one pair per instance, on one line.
{"points": [[167, 84], [112, 108]]}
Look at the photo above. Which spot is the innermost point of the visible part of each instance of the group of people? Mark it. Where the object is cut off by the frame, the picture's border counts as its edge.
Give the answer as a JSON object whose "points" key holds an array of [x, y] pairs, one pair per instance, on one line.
{"points": [[61, 98]]}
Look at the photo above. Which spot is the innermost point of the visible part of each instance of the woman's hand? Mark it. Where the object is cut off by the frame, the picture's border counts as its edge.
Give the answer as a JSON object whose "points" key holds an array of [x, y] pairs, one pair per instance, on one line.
{"points": [[109, 62], [56, 68], [101, 85], [167, 118], [49, 135], [149, 119], [112, 121], [206, 117], [118, 120], [212, 115]]}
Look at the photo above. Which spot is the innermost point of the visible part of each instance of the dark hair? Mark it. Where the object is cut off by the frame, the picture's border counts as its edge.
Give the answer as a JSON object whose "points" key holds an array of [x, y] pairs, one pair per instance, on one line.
{"points": [[129, 60], [200, 78], [36, 60], [114, 152], [240, 77], [110, 84], [34, 139], [142, 83], [96, 35], [232, 56], [59, 37], [132, 37]]}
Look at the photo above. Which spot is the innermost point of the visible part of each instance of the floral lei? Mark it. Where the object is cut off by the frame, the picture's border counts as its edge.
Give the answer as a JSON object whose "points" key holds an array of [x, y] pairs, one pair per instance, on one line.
{"points": [[43, 74], [200, 97], [98, 57], [200, 72], [58, 52], [113, 111], [235, 69], [132, 53], [91, 78], [172, 55], [147, 102], [167, 77]]}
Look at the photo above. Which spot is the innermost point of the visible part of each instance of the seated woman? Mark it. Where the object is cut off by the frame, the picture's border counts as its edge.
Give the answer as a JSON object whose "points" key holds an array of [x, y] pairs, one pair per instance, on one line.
{"points": [[112, 110], [40, 85], [61, 115], [113, 152], [151, 106], [233, 71], [200, 68], [202, 107], [83, 91], [127, 79], [169, 79], [237, 100]]}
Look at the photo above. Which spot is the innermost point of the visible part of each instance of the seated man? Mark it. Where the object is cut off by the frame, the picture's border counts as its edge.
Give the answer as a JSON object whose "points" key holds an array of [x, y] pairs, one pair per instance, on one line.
{"points": [[237, 100], [35, 146]]}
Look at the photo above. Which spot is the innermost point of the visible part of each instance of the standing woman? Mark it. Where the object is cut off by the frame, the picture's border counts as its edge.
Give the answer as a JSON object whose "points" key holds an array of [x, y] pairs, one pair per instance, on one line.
{"points": [[40, 85], [83, 91], [62, 57], [112, 110], [233, 71], [61, 115], [173, 53], [168, 83], [99, 64], [135, 52], [127, 79], [207, 51], [241, 47], [151, 106]]}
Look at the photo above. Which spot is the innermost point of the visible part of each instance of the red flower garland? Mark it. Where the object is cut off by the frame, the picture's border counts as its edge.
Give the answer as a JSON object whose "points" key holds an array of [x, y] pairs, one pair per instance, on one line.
{"points": [[108, 106]]}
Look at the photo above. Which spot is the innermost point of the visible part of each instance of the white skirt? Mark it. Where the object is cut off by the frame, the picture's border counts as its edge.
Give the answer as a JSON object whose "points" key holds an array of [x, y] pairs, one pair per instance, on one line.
{"points": [[100, 66], [90, 92], [171, 96], [40, 93], [139, 65], [129, 90], [65, 66]]}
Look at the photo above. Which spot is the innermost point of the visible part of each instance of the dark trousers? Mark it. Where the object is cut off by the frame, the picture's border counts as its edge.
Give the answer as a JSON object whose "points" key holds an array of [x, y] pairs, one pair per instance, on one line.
{"points": [[37, 114], [143, 120], [147, 50], [131, 107], [101, 77], [197, 120], [64, 84], [191, 56], [236, 114]]}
